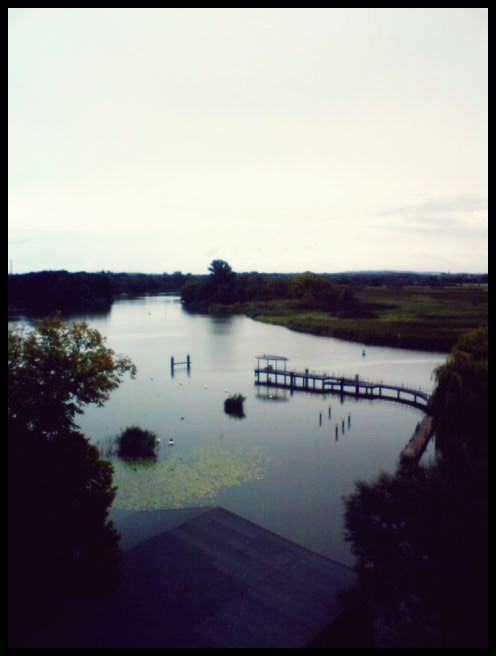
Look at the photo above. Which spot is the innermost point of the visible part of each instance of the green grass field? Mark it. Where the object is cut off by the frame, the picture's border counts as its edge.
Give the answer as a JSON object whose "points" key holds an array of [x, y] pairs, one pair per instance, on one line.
{"points": [[416, 317]]}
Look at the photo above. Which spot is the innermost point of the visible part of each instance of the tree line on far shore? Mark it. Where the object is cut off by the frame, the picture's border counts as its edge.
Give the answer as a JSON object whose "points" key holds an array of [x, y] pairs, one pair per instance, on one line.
{"points": [[44, 292]]}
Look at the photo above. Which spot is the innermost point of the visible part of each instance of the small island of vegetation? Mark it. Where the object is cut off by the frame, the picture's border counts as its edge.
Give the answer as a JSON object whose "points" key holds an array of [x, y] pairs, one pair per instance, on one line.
{"points": [[233, 405], [135, 443]]}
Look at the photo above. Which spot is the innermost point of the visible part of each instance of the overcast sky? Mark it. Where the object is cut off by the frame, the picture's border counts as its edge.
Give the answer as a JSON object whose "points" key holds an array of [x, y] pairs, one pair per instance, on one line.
{"points": [[280, 140]]}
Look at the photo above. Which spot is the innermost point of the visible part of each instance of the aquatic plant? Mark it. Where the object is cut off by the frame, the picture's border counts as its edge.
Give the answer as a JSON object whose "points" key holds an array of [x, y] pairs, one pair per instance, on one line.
{"points": [[185, 479]]}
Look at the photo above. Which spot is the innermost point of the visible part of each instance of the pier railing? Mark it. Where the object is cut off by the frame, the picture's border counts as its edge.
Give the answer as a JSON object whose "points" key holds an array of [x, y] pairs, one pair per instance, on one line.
{"points": [[324, 383]]}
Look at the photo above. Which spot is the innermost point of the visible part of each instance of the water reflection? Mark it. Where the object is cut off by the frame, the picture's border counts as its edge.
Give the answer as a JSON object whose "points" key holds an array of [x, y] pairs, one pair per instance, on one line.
{"points": [[271, 394], [90, 316], [221, 326]]}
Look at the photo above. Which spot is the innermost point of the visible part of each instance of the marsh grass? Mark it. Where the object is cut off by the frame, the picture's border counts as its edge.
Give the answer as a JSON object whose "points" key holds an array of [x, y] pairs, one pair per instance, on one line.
{"points": [[416, 317]]}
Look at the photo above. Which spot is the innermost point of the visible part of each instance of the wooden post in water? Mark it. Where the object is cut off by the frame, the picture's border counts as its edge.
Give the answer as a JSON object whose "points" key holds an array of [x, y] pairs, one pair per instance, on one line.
{"points": [[173, 364]]}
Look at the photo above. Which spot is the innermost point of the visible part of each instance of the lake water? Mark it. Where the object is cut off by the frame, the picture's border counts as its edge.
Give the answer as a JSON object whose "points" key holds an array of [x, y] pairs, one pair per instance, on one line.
{"points": [[287, 464]]}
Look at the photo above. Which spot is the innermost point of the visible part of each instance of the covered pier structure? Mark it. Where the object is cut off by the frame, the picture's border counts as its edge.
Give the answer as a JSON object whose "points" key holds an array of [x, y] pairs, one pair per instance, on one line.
{"points": [[274, 372]]}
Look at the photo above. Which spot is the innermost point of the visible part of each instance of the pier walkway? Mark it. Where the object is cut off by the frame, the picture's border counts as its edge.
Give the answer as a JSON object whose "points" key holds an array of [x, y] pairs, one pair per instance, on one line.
{"points": [[323, 383], [276, 374], [417, 444]]}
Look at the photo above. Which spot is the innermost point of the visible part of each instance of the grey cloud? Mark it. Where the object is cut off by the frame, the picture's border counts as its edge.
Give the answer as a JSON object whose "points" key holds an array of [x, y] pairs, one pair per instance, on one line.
{"points": [[437, 225], [467, 203]]}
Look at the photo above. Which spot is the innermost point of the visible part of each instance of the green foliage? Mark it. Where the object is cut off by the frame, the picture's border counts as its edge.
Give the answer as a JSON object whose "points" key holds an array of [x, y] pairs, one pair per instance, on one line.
{"points": [[317, 292], [403, 310], [44, 292], [192, 290], [220, 272], [60, 541], [233, 405], [221, 283], [421, 543], [135, 442], [421, 537], [55, 370], [416, 317], [459, 403], [220, 287]]}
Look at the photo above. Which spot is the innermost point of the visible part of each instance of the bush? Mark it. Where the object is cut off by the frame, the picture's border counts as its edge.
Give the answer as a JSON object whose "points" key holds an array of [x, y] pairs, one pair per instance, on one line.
{"points": [[135, 442], [233, 405]]}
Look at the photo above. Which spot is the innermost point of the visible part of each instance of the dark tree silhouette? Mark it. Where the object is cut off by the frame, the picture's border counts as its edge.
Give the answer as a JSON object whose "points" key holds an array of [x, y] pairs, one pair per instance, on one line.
{"points": [[421, 536], [221, 272], [60, 541], [459, 404]]}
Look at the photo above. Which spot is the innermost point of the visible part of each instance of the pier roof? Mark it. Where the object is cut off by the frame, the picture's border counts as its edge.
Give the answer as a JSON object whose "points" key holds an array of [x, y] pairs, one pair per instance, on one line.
{"points": [[271, 357]]}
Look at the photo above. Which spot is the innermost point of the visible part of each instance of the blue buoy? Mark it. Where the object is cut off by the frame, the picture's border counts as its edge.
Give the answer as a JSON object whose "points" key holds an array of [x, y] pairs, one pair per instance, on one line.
{"points": [[364, 353]]}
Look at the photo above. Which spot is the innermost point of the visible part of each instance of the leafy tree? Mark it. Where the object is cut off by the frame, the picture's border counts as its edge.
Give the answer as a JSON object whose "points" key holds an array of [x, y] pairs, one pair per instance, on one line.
{"points": [[55, 370], [221, 272], [319, 293], [60, 541], [220, 287], [278, 287], [47, 291], [459, 403], [420, 537], [190, 293], [221, 284]]}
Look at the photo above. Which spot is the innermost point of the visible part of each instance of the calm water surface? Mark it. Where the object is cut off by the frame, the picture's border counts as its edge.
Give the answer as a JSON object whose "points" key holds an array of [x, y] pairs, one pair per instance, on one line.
{"points": [[292, 457]]}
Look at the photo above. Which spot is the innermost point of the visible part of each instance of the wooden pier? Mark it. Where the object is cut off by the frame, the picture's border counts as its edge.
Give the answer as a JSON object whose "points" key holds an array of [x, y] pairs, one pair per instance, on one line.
{"points": [[417, 444], [275, 375]]}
